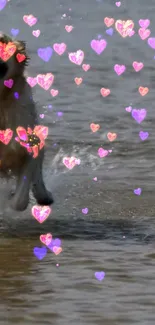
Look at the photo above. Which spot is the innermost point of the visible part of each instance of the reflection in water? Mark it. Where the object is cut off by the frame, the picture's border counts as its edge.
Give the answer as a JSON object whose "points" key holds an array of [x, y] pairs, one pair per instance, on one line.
{"points": [[39, 291]]}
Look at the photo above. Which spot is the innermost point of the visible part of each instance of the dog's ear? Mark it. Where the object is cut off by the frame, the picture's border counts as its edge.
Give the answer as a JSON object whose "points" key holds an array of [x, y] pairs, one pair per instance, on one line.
{"points": [[21, 49], [21, 46]]}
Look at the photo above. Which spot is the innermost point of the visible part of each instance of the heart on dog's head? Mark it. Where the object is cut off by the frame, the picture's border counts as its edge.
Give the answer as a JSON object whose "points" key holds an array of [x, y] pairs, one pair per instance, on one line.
{"points": [[13, 58]]}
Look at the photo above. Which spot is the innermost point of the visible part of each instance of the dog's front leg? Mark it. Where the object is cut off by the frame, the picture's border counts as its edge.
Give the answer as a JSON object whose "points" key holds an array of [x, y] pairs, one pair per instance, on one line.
{"points": [[41, 194], [20, 199]]}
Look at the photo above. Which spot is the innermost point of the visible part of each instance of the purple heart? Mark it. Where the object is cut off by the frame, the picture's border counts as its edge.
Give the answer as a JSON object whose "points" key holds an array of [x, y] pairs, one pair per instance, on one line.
{"points": [[98, 45], [110, 31], [99, 275], [45, 53], [40, 252], [2, 4], [16, 95], [14, 32], [151, 42], [139, 114], [143, 135], [85, 210], [59, 113], [55, 242], [138, 191]]}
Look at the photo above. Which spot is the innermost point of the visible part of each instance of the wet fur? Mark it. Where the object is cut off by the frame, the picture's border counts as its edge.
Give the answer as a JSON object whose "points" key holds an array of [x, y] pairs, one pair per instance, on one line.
{"points": [[20, 112]]}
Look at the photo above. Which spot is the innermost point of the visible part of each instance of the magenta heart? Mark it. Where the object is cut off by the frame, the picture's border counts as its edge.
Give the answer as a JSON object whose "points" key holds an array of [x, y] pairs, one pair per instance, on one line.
{"points": [[8, 83], [143, 135], [98, 45], [144, 23], [151, 42], [119, 69], [139, 114], [102, 152], [85, 210]]}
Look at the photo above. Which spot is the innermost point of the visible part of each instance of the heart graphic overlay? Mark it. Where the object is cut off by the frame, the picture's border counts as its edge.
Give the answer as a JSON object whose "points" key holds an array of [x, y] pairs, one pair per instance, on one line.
{"points": [[46, 239], [85, 210], [143, 135], [45, 53], [6, 136], [40, 252], [99, 275], [138, 191], [139, 114], [54, 243], [41, 213]]}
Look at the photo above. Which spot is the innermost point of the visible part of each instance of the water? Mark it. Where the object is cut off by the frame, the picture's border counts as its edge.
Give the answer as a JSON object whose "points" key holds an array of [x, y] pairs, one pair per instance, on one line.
{"points": [[117, 234]]}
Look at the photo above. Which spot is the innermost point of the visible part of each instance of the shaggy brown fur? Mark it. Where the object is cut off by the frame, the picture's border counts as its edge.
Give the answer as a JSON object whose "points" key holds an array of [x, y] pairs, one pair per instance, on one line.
{"points": [[14, 113]]}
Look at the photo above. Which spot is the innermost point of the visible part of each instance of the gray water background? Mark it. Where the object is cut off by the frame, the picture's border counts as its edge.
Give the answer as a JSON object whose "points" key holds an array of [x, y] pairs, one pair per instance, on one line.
{"points": [[117, 234]]}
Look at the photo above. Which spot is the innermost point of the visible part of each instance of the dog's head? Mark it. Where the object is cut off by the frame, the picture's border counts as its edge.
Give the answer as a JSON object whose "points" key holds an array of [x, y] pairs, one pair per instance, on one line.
{"points": [[13, 58]]}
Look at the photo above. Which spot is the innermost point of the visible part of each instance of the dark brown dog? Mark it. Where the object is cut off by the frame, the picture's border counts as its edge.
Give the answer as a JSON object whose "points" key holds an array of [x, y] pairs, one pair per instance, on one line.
{"points": [[14, 113]]}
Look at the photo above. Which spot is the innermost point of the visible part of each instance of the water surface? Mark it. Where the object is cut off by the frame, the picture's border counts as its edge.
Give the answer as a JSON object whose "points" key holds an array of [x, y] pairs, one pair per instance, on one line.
{"points": [[117, 234]]}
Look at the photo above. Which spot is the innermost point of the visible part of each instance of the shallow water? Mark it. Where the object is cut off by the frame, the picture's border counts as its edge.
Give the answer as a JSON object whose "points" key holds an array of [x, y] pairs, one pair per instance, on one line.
{"points": [[117, 234]]}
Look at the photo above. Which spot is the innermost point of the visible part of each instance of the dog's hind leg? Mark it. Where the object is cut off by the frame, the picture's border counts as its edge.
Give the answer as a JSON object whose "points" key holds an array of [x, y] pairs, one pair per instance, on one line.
{"points": [[41, 194], [20, 199]]}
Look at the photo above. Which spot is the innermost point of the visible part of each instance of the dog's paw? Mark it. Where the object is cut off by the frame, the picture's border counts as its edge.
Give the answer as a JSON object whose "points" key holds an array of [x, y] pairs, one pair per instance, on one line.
{"points": [[47, 199]]}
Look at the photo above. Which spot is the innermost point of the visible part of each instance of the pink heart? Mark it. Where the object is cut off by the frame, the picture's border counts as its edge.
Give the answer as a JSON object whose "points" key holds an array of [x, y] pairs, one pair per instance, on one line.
{"points": [[68, 28], [118, 4], [45, 81], [85, 67], [59, 48], [137, 66], [76, 57], [30, 20], [77, 161], [54, 92], [36, 33], [144, 23], [40, 213], [57, 250], [69, 162], [144, 33], [119, 69], [131, 33], [102, 152], [31, 81], [46, 239], [98, 45], [128, 109]]}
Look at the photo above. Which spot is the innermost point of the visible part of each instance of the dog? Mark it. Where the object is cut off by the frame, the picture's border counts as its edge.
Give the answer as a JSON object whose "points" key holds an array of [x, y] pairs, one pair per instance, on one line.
{"points": [[18, 112]]}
